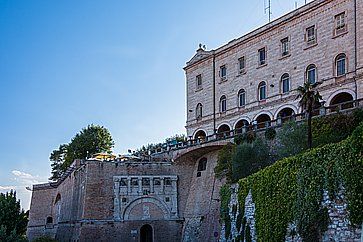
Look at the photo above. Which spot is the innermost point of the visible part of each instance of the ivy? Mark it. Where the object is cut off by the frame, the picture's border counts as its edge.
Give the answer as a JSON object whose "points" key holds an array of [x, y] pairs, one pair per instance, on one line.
{"points": [[225, 194], [291, 190]]}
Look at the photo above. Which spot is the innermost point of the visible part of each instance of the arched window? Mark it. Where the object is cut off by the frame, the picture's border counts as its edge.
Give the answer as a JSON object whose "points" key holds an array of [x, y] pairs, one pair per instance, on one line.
{"points": [[285, 83], [262, 91], [199, 111], [223, 104], [311, 74], [340, 64], [49, 220], [241, 98], [202, 164]]}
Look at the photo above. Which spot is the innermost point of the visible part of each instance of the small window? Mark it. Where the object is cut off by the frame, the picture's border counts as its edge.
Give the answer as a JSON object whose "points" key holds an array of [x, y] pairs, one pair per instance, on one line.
{"points": [[167, 199], [167, 181], [285, 83], [123, 182], [202, 164], [145, 181], [241, 64], [223, 72], [311, 34], [311, 75], [241, 98], [285, 46], [262, 56], [199, 81], [49, 220], [124, 199], [199, 111], [340, 21], [262, 91], [340, 64], [157, 182], [223, 104], [134, 182], [145, 192]]}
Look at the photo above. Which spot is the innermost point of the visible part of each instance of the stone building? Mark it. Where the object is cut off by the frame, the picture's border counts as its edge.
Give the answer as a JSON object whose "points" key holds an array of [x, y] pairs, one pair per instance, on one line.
{"points": [[252, 80]]}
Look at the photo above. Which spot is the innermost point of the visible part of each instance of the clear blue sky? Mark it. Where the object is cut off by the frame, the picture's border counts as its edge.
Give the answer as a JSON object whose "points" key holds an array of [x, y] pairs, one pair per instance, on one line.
{"points": [[66, 64]]}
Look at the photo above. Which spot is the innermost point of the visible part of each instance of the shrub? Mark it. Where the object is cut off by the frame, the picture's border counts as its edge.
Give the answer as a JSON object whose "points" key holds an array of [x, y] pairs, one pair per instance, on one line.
{"points": [[223, 167], [270, 133], [44, 239]]}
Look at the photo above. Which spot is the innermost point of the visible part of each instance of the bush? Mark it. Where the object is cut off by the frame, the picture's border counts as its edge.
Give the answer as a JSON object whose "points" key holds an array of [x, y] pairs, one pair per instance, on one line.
{"points": [[292, 139], [270, 133], [223, 167], [44, 239]]}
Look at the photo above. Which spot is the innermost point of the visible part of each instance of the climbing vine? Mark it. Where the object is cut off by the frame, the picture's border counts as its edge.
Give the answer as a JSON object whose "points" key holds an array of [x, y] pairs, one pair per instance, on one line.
{"points": [[291, 190]]}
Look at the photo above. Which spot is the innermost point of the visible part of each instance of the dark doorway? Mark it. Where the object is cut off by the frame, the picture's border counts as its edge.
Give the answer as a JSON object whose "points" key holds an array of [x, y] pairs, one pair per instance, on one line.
{"points": [[146, 233]]}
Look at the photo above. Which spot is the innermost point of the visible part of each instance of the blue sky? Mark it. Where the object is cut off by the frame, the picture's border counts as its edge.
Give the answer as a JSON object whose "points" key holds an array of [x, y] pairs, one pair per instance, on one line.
{"points": [[67, 64]]}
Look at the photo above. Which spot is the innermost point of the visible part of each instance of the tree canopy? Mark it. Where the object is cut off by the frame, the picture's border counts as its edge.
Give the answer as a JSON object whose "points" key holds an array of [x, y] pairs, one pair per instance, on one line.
{"points": [[13, 220], [89, 141]]}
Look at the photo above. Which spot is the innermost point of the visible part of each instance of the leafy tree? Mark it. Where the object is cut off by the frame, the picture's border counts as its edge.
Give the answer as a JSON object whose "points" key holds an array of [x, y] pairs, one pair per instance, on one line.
{"points": [[309, 97], [44, 239], [292, 139], [13, 220], [89, 141]]}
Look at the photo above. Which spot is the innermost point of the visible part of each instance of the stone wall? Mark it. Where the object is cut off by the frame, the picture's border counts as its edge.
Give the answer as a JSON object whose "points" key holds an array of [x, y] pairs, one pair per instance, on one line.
{"points": [[339, 228]]}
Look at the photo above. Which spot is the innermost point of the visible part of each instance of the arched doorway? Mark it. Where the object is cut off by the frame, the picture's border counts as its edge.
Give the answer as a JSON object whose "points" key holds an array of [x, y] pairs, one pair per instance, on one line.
{"points": [[341, 101], [239, 126], [263, 121], [286, 114], [146, 233], [200, 136], [223, 131]]}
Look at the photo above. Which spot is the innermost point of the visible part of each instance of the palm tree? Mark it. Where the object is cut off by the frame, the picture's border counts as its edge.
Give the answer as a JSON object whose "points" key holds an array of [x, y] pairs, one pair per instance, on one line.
{"points": [[309, 96]]}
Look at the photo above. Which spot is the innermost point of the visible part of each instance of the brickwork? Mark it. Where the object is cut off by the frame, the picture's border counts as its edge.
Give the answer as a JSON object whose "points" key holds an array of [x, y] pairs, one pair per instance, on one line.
{"points": [[293, 25]]}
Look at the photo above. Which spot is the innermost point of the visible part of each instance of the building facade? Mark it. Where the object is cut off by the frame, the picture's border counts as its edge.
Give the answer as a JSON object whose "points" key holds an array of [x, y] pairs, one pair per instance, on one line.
{"points": [[253, 79], [250, 80]]}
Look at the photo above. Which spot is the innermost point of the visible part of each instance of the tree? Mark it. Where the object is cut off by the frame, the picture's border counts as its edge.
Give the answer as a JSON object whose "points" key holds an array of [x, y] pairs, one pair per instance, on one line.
{"points": [[309, 97], [13, 220], [89, 141]]}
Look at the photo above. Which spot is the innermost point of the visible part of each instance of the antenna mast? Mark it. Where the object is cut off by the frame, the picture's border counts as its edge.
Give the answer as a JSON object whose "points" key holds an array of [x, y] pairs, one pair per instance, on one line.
{"points": [[269, 10]]}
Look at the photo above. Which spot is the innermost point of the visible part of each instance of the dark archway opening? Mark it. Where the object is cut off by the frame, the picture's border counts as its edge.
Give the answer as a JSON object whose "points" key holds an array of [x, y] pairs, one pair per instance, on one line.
{"points": [[200, 135], [263, 121], [239, 126], [341, 101], [286, 114], [223, 131], [146, 233]]}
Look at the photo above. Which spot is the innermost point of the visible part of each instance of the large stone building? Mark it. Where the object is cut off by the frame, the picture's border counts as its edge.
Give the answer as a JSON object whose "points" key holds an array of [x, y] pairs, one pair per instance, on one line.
{"points": [[252, 80]]}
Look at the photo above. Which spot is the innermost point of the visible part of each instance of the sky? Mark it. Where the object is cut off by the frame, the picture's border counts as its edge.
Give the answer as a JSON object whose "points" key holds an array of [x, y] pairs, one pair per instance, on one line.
{"points": [[66, 64]]}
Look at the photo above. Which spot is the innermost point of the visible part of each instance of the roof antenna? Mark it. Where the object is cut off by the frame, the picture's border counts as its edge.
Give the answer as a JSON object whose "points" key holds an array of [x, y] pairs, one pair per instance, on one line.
{"points": [[295, 5], [269, 10]]}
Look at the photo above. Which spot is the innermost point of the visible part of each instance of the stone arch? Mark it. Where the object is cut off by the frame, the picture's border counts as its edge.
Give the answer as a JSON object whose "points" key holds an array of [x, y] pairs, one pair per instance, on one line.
{"points": [[263, 112], [334, 94], [146, 233], [200, 134], [295, 109], [242, 118], [223, 130], [238, 126], [263, 119], [161, 205]]}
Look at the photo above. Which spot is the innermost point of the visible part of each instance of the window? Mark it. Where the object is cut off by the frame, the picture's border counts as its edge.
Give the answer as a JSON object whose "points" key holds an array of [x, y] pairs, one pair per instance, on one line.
{"points": [[167, 199], [167, 181], [285, 46], [241, 98], [157, 181], [311, 74], [223, 104], [199, 111], [311, 34], [241, 64], [124, 199], [123, 182], [134, 182], [223, 72], [202, 164], [199, 81], [285, 83], [340, 21], [262, 91], [262, 56], [49, 220], [340, 63], [145, 181]]}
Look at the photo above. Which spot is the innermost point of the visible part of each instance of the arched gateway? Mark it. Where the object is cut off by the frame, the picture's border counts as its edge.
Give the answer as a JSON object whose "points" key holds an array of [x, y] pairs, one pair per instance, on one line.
{"points": [[146, 233]]}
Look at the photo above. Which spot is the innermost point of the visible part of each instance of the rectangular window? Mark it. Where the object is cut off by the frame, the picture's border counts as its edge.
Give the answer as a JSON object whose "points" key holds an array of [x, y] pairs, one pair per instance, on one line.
{"points": [[340, 21], [262, 56], [285, 46], [311, 34], [241, 64], [199, 81], [223, 72]]}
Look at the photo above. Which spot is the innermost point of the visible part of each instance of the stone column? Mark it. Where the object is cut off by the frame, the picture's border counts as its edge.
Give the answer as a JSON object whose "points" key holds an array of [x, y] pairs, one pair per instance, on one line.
{"points": [[116, 205], [162, 184], [128, 185], [140, 185], [151, 185]]}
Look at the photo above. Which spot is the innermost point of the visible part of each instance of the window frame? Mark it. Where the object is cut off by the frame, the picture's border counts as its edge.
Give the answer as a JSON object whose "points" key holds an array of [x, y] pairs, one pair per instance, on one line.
{"points": [[240, 93], [199, 111], [285, 42], [308, 69], [261, 85], [311, 39], [339, 24], [199, 82], [221, 68], [242, 59], [260, 61], [337, 60], [223, 104], [285, 77]]}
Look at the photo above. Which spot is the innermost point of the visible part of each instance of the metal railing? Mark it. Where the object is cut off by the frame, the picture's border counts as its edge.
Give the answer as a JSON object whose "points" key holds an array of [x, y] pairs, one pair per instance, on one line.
{"points": [[257, 127]]}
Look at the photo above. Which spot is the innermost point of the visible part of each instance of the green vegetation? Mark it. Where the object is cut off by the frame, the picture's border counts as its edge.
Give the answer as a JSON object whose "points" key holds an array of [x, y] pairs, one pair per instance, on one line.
{"points": [[44, 239], [13, 220], [173, 140], [89, 141], [225, 194], [291, 190]]}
